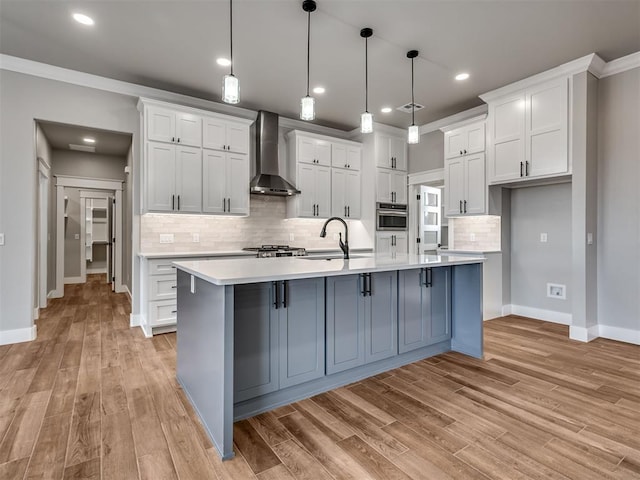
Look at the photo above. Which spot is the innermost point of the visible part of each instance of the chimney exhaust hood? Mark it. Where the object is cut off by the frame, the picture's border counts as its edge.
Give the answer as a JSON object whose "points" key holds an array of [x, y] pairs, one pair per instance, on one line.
{"points": [[268, 180]]}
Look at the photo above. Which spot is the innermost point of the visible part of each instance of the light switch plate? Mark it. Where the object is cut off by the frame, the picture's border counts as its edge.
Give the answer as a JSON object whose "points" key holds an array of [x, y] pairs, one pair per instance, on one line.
{"points": [[166, 238], [291, 237], [193, 284], [543, 238], [1, 238], [589, 238], [196, 238], [473, 237], [77, 236]]}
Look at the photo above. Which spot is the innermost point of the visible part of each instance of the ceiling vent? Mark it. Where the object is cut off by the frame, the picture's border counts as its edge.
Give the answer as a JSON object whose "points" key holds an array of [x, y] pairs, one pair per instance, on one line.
{"points": [[82, 148], [407, 108]]}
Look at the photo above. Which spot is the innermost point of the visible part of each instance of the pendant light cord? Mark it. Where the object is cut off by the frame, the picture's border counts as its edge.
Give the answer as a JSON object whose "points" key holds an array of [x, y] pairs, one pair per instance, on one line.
{"points": [[366, 74], [413, 102], [231, 33], [308, 47]]}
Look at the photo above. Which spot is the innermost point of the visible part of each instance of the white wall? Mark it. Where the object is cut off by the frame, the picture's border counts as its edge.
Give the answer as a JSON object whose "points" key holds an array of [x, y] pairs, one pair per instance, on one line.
{"points": [[24, 99], [127, 213], [87, 164], [428, 154], [619, 201]]}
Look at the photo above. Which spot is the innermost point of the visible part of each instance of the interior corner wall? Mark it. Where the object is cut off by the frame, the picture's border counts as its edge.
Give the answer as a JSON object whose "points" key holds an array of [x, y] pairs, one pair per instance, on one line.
{"points": [[536, 210], [428, 154], [618, 242], [26, 98], [127, 213]]}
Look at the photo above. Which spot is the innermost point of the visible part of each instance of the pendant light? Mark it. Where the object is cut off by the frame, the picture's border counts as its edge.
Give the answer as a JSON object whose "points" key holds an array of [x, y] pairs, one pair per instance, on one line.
{"points": [[307, 104], [230, 84], [366, 119], [413, 135]]}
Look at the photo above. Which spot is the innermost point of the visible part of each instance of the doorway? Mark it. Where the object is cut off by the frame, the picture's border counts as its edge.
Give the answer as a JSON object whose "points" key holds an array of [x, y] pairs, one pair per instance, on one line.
{"points": [[428, 226]]}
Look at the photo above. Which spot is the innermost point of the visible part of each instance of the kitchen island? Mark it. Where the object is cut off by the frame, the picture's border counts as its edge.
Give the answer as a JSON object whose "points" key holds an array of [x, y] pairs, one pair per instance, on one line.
{"points": [[255, 334]]}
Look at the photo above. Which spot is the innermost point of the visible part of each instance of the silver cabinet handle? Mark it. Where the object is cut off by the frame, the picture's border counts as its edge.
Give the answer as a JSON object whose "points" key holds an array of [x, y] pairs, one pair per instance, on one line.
{"points": [[229, 204], [345, 210], [465, 206], [178, 202], [348, 210], [521, 165], [460, 206], [173, 202], [526, 169]]}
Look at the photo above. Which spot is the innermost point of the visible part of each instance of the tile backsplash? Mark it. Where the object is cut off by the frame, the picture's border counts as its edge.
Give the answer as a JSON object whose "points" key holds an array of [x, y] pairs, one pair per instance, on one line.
{"points": [[267, 224], [475, 233]]}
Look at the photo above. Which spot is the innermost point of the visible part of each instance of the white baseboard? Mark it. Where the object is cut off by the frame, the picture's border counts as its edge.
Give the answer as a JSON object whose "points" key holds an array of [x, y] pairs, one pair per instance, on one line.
{"points": [[620, 334], [583, 334], [36, 313], [126, 290], [135, 320], [18, 335], [51, 294], [70, 280], [96, 270], [538, 313]]}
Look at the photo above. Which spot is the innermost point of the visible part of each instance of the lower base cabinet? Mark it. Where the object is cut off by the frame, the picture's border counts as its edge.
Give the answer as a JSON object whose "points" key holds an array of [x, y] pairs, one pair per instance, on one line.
{"points": [[279, 335], [424, 307], [362, 321]]}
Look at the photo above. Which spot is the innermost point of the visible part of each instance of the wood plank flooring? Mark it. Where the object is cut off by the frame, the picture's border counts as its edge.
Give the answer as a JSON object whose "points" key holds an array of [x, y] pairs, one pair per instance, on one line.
{"points": [[92, 398]]}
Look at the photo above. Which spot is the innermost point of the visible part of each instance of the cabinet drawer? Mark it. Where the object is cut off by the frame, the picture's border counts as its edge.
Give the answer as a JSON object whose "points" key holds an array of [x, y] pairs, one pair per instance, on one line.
{"points": [[162, 287], [162, 312], [161, 266]]}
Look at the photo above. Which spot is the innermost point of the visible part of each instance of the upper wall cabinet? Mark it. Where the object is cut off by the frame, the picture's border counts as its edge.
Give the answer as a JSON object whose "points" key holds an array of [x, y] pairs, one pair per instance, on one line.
{"points": [[169, 126], [313, 150], [346, 156], [229, 136], [464, 140], [528, 133], [391, 152]]}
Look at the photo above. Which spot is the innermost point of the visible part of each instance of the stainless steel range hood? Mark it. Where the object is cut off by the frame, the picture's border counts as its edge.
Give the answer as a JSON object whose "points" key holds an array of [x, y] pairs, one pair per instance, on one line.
{"points": [[268, 180]]}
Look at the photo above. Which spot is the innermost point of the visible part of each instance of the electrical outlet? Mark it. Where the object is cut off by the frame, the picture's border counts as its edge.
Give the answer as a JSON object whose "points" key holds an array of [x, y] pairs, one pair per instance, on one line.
{"points": [[543, 238], [555, 290], [291, 237], [589, 238], [195, 238], [1, 238], [166, 238], [473, 237], [76, 236]]}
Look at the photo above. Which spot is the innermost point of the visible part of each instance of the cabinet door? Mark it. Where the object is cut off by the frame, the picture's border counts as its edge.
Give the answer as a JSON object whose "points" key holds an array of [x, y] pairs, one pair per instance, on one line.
{"points": [[323, 191], [160, 178], [338, 192], [383, 151], [475, 187], [399, 153], [345, 323], [323, 152], [400, 243], [399, 186], [383, 185], [214, 174], [339, 155], [188, 129], [439, 328], [188, 179], [506, 119], [306, 150], [302, 339], [237, 184], [352, 194], [161, 125], [383, 243], [474, 138], [546, 129], [354, 158], [381, 317], [454, 143], [454, 186], [413, 310], [307, 185], [256, 331], [214, 133], [238, 137]]}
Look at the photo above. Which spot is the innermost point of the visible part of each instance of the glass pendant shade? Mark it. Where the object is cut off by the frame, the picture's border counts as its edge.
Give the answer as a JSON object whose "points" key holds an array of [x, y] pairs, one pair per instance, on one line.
{"points": [[230, 89], [307, 108], [366, 122], [413, 135]]}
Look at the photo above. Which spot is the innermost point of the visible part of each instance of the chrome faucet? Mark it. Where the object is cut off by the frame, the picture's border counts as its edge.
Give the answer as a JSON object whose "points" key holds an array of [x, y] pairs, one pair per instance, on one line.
{"points": [[343, 246]]}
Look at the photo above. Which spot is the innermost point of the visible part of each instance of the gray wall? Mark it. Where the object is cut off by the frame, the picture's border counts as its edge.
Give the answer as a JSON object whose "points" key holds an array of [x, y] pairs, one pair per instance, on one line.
{"points": [[72, 246], [86, 164], [535, 210], [428, 154], [43, 150], [24, 99], [619, 201], [127, 212]]}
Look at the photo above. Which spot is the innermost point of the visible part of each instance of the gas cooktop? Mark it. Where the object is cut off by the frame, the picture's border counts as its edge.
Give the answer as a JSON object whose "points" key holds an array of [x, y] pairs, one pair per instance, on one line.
{"points": [[266, 251]]}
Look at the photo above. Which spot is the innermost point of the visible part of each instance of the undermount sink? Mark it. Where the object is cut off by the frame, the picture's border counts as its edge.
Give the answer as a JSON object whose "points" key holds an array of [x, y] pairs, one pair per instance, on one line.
{"points": [[326, 258]]}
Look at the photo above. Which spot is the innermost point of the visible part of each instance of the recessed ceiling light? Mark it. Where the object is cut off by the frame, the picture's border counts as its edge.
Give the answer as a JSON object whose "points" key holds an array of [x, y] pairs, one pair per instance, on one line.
{"points": [[462, 76], [83, 19], [318, 90], [223, 62], [386, 109], [89, 140]]}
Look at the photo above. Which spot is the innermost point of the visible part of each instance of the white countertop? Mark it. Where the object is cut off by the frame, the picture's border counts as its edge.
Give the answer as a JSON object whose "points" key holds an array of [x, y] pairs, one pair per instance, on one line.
{"points": [[254, 270], [237, 253], [454, 251]]}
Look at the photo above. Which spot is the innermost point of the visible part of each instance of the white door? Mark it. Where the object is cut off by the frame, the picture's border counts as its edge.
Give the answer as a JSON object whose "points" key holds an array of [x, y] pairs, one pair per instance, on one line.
{"points": [[306, 183], [323, 191], [476, 187], [399, 153], [383, 151], [507, 129], [214, 174], [475, 138], [237, 184], [323, 152], [306, 150], [383, 185], [188, 129], [429, 221], [399, 187], [383, 243], [338, 192], [161, 125], [454, 143], [188, 179], [400, 243], [161, 177], [339, 155], [353, 194], [454, 185], [214, 134], [238, 137], [354, 158]]}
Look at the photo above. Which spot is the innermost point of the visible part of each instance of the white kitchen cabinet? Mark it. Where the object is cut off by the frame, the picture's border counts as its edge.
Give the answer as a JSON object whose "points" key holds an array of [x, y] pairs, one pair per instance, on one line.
{"points": [[225, 183], [226, 135], [345, 193], [164, 125], [464, 140], [346, 156], [391, 152], [314, 182], [174, 175], [312, 150], [528, 133], [391, 186], [465, 186], [392, 243]]}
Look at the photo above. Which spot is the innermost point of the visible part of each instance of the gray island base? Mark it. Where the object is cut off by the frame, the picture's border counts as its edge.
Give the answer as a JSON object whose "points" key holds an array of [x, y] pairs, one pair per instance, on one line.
{"points": [[256, 334]]}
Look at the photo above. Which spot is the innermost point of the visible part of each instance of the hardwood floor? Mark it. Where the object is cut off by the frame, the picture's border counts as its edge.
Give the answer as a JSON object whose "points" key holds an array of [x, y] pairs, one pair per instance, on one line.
{"points": [[92, 398]]}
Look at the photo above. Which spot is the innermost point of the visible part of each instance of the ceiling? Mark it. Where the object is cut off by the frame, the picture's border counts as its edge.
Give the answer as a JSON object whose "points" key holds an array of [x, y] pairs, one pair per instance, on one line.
{"points": [[60, 135], [173, 45]]}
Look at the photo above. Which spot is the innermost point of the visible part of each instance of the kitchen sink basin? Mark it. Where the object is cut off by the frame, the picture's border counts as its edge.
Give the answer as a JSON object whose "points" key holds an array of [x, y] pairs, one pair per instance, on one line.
{"points": [[332, 257]]}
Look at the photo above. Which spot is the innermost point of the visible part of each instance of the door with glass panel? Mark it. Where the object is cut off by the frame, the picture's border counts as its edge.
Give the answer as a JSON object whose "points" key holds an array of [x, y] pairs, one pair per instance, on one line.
{"points": [[430, 219]]}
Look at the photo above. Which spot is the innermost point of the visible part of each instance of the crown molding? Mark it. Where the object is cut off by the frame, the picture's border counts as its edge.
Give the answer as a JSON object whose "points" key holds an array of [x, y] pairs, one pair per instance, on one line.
{"points": [[621, 64]]}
